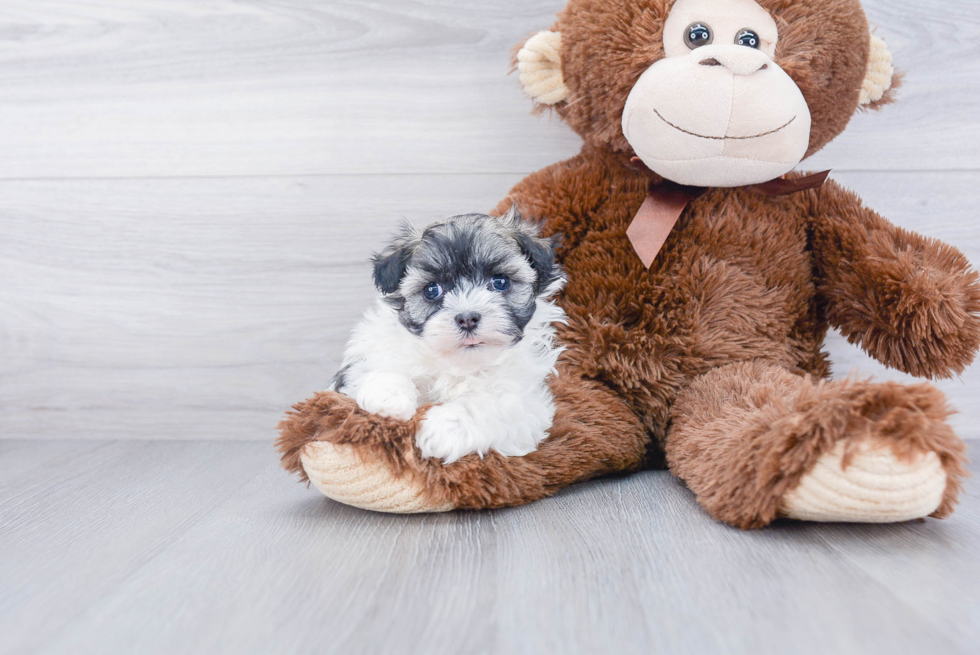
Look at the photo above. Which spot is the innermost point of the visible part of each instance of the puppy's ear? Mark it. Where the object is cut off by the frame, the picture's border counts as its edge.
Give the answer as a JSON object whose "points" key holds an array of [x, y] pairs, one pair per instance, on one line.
{"points": [[540, 251], [392, 262], [389, 268]]}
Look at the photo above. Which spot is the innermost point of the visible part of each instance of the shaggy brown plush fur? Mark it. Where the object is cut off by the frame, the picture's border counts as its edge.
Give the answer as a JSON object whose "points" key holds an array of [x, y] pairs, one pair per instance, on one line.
{"points": [[712, 352], [571, 454], [728, 417]]}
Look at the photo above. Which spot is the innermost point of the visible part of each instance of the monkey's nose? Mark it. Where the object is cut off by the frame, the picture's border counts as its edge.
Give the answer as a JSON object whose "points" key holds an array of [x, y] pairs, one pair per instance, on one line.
{"points": [[737, 60], [467, 321]]}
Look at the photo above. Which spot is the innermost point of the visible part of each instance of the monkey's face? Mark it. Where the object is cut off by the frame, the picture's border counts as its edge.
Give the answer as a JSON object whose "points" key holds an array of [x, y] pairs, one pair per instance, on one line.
{"points": [[709, 92], [717, 110]]}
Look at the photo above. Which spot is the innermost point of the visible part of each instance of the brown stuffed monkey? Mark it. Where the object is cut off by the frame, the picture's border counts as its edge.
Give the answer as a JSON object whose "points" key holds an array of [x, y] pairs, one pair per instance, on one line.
{"points": [[702, 278]]}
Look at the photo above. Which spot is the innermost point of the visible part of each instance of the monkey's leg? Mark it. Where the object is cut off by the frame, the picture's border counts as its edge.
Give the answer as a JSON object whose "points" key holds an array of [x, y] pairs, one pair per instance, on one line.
{"points": [[371, 462], [755, 442]]}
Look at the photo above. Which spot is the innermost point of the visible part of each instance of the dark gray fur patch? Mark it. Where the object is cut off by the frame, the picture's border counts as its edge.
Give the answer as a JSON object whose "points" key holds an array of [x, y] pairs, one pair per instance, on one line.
{"points": [[461, 249], [391, 263], [470, 248], [339, 380], [521, 315]]}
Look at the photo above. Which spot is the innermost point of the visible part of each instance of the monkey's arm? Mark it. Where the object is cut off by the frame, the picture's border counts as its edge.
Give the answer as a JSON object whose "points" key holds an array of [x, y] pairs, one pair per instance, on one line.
{"points": [[909, 301]]}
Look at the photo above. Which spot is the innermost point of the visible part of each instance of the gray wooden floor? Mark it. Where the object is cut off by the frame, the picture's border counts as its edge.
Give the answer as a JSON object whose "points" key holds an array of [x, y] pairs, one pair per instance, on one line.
{"points": [[189, 194], [192, 547]]}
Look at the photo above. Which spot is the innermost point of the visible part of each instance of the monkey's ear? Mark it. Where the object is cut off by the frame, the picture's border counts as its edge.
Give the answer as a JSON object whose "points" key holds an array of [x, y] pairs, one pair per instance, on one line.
{"points": [[539, 63], [880, 77]]}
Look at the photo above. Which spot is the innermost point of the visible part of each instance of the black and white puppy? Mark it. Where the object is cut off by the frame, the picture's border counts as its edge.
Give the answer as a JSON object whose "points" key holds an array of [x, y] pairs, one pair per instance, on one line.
{"points": [[464, 321]]}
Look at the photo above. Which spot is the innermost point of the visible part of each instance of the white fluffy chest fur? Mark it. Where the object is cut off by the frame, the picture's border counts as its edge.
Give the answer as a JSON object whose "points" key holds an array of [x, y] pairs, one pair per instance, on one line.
{"points": [[488, 397]]}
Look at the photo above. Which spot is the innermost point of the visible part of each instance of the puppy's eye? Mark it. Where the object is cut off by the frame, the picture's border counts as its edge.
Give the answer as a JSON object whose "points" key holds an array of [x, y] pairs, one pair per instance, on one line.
{"points": [[748, 38], [500, 283], [698, 35], [433, 291]]}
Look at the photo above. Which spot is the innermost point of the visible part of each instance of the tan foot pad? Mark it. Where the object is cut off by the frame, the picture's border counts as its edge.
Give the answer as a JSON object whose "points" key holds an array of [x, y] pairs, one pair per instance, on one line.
{"points": [[340, 474], [876, 487]]}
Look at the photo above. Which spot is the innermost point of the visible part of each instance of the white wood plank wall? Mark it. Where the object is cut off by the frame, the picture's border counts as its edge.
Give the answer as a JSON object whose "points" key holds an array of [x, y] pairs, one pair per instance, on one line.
{"points": [[190, 189]]}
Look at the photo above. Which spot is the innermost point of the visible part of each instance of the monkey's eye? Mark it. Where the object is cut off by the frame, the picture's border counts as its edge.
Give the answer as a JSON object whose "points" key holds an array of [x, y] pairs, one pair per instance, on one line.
{"points": [[500, 283], [433, 291], [748, 38], [698, 35]]}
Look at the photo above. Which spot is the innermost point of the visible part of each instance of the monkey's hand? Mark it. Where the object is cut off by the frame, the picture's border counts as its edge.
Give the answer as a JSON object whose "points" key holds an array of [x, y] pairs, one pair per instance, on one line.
{"points": [[917, 310], [912, 302]]}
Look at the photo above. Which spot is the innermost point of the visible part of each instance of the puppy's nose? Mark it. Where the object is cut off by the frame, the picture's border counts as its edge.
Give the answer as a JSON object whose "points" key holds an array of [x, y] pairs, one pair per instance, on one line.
{"points": [[467, 321]]}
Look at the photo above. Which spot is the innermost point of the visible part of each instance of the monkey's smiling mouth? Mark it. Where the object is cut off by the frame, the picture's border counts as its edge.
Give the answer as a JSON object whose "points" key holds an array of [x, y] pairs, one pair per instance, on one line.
{"points": [[722, 138]]}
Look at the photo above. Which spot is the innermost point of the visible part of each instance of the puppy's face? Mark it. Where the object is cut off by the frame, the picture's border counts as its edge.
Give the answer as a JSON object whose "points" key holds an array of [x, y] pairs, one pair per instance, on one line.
{"points": [[468, 284]]}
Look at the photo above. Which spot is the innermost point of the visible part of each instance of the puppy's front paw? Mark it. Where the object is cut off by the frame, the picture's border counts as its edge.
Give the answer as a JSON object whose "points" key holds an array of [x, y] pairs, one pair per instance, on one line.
{"points": [[389, 395], [446, 432]]}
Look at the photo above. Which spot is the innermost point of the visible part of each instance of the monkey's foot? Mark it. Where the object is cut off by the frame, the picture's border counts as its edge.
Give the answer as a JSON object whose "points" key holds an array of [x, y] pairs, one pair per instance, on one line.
{"points": [[339, 473], [756, 442], [874, 486]]}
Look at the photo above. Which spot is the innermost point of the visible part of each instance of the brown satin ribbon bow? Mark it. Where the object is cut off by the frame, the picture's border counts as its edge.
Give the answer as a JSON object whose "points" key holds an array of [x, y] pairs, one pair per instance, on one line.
{"points": [[666, 202]]}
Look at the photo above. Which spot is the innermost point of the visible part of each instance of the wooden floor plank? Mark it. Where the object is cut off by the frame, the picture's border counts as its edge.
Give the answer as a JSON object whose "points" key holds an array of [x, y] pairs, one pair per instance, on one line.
{"points": [[933, 569], [640, 568], [626, 565], [19, 459], [281, 569], [78, 527], [111, 88], [203, 308]]}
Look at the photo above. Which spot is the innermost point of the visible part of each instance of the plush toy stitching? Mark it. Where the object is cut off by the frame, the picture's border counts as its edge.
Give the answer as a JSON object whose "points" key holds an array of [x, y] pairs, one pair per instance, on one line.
{"points": [[723, 138]]}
